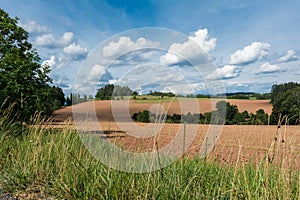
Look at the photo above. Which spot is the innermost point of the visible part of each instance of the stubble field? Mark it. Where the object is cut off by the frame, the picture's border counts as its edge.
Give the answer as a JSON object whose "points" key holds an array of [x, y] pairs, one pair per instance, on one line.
{"points": [[236, 144]]}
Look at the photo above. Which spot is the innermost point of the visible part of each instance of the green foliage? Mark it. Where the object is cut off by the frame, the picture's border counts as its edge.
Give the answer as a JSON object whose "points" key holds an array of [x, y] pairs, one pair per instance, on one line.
{"points": [[144, 116], [55, 99], [225, 113], [162, 94], [278, 90], [105, 93], [286, 102], [77, 98], [122, 91], [48, 163], [110, 91], [23, 81]]}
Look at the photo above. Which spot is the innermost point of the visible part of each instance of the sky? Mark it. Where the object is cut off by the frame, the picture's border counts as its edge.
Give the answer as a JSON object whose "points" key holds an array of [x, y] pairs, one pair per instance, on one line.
{"points": [[191, 46]]}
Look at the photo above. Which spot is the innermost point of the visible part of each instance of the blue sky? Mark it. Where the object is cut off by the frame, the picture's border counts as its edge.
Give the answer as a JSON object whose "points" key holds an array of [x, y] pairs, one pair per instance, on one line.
{"points": [[244, 45]]}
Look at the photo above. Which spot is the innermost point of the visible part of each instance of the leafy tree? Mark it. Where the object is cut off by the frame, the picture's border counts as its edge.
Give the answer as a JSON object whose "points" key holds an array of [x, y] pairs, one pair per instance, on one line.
{"points": [[122, 91], [278, 90], [23, 80], [287, 103], [227, 111], [55, 99], [105, 93], [260, 118], [143, 116]]}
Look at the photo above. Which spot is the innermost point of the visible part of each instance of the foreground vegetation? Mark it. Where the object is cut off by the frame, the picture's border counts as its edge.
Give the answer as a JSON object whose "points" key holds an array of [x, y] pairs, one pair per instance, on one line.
{"points": [[46, 162]]}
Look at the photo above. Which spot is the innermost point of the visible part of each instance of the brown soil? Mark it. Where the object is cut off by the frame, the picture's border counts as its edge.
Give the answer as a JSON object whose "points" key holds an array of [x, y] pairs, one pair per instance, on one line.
{"points": [[103, 108], [237, 143]]}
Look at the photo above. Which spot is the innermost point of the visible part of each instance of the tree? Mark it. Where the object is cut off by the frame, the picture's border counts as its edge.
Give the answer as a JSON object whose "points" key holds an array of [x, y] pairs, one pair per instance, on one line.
{"points": [[287, 103], [105, 93], [23, 81], [278, 90], [55, 99], [226, 111]]}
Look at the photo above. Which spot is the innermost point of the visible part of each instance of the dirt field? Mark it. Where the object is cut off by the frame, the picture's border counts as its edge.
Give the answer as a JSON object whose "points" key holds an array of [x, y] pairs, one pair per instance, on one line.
{"points": [[237, 143], [103, 108]]}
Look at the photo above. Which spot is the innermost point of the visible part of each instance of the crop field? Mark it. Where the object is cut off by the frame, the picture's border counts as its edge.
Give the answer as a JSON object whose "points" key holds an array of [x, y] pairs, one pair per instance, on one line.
{"points": [[50, 161], [237, 143], [178, 106]]}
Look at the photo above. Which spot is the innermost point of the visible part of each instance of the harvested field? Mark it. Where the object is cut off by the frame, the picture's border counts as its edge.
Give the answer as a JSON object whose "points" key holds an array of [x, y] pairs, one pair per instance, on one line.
{"points": [[237, 143], [103, 108]]}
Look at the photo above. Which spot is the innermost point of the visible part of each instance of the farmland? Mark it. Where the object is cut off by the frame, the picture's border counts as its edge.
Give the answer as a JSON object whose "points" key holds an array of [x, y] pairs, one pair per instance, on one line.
{"points": [[103, 108], [237, 142]]}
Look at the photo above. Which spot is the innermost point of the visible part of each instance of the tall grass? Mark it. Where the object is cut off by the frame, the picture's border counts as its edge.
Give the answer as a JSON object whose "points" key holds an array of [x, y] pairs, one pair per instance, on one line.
{"points": [[47, 162]]}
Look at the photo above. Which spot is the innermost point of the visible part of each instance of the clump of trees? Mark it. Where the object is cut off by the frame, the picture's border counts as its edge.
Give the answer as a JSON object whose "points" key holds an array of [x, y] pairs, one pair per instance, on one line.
{"points": [[225, 113], [286, 103], [24, 82], [161, 94], [111, 91], [236, 95]]}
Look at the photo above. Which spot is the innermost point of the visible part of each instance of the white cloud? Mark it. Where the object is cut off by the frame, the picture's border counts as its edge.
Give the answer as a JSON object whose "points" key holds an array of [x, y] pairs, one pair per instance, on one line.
{"points": [[67, 38], [56, 62], [194, 50], [125, 45], [33, 27], [45, 40], [250, 53], [269, 68], [75, 51], [99, 72], [226, 72], [288, 57], [202, 39], [48, 40], [51, 62]]}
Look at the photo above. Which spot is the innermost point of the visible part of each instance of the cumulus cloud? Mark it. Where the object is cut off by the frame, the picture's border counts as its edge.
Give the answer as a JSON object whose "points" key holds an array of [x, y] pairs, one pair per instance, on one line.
{"points": [[226, 72], [32, 26], [267, 68], [250, 53], [75, 51], [51, 62], [202, 39], [56, 62], [45, 40], [288, 57], [49, 40], [125, 44], [99, 73], [194, 50]]}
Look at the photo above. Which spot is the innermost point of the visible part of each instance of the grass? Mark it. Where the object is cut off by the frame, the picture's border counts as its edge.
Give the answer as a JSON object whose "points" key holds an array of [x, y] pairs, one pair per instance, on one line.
{"points": [[46, 162]]}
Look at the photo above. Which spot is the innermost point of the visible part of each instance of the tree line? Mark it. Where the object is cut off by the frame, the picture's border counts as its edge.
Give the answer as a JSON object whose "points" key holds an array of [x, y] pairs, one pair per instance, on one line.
{"points": [[24, 82], [111, 91], [225, 113]]}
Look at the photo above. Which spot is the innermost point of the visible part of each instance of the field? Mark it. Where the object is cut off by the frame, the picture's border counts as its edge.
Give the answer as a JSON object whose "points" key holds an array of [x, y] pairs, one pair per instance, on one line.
{"points": [[236, 143], [49, 160], [184, 105]]}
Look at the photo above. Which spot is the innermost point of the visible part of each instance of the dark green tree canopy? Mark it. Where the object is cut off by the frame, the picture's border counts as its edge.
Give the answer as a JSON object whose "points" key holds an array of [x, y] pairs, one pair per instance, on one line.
{"points": [[110, 91], [278, 90], [286, 102], [23, 81]]}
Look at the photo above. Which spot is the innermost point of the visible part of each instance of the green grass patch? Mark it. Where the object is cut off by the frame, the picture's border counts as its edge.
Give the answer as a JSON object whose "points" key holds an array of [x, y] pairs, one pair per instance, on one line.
{"points": [[56, 163]]}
